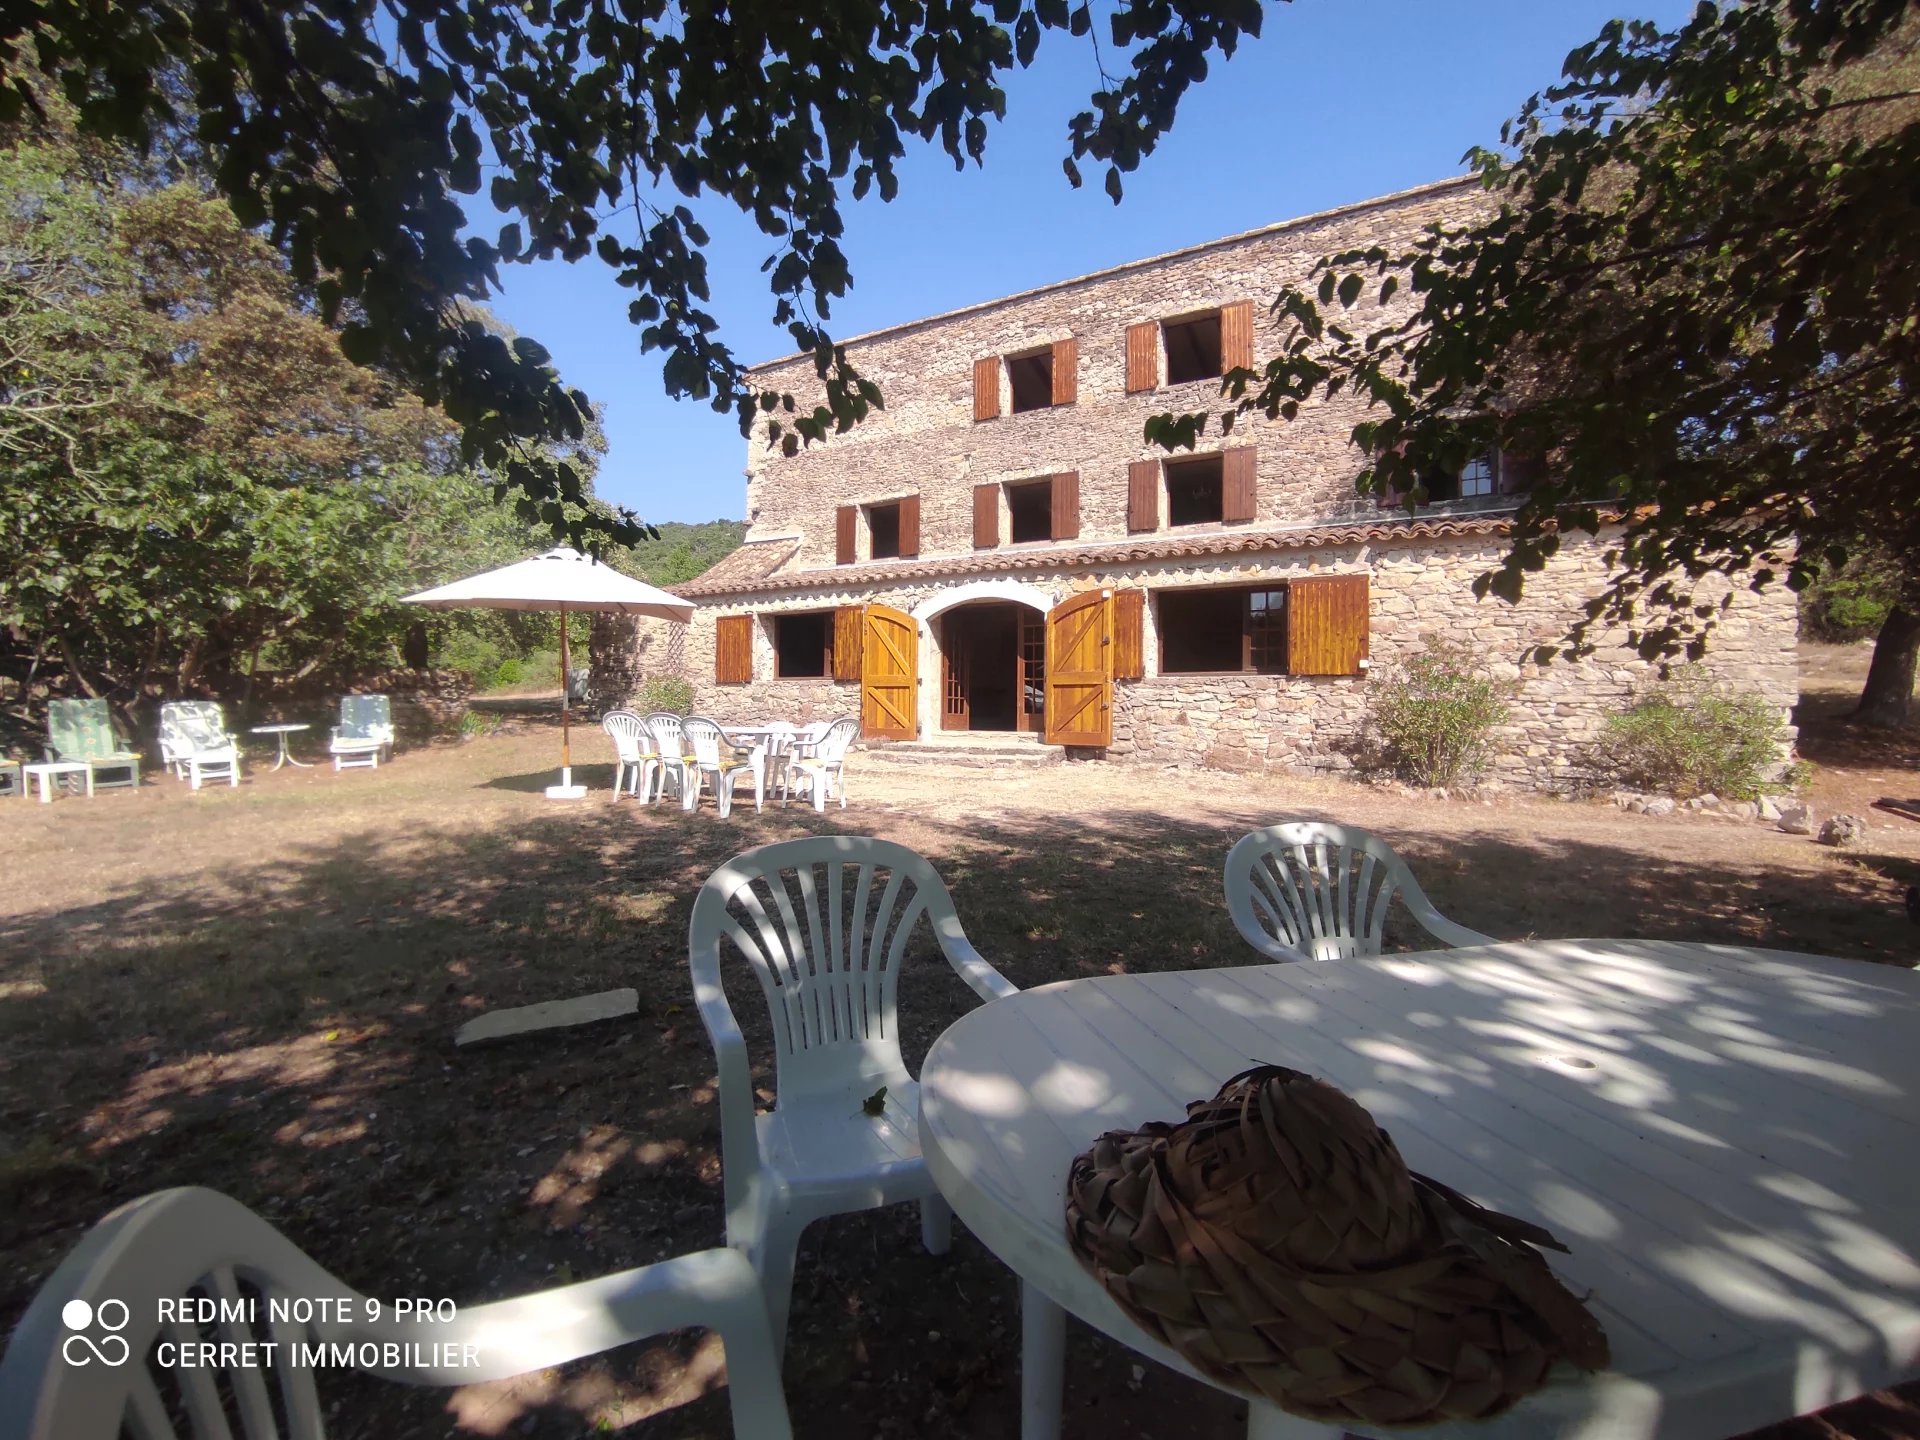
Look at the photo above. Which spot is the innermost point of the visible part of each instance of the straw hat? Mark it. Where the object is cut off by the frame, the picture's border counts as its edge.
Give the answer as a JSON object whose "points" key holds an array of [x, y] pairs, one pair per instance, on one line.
{"points": [[1277, 1240]]}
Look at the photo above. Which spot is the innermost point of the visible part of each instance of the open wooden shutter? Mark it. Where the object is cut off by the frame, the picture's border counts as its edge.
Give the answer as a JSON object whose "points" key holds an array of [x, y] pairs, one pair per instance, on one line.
{"points": [[1143, 356], [1129, 634], [888, 671], [1236, 336], [1079, 704], [846, 530], [846, 642], [909, 526], [1237, 483], [1066, 371], [1066, 506], [1143, 495], [733, 650], [986, 516], [1327, 625], [986, 388]]}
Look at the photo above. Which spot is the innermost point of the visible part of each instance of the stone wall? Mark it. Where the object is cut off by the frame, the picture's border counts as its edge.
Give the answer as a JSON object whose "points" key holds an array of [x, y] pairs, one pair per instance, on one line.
{"points": [[926, 441], [1281, 722]]}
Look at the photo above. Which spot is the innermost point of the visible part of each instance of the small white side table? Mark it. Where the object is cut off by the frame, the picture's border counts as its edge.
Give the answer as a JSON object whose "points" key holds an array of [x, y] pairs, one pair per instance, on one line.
{"points": [[282, 731], [47, 772]]}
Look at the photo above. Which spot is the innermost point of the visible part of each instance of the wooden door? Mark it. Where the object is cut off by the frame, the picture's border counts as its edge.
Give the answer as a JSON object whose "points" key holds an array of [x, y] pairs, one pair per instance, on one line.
{"points": [[1033, 670], [888, 651], [1079, 708], [956, 672]]}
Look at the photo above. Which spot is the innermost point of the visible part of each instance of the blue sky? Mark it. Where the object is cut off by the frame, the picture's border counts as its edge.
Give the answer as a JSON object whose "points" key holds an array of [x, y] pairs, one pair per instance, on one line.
{"points": [[1340, 100]]}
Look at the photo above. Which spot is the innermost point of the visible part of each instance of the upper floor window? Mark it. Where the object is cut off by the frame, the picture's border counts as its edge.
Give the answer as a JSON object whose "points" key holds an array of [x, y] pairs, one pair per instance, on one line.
{"points": [[1193, 348], [1044, 508], [1036, 379], [1195, 491], [1491, 473], [883, 530], [890, 528], [1201, 346]]}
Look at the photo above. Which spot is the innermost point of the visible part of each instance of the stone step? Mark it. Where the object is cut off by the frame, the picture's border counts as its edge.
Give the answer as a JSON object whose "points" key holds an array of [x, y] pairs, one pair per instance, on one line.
{"points": [[975, 754]]}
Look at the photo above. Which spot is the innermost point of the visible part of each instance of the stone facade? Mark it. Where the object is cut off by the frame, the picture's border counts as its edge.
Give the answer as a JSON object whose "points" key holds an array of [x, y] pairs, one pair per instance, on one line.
{"points": [[1308, 521]]}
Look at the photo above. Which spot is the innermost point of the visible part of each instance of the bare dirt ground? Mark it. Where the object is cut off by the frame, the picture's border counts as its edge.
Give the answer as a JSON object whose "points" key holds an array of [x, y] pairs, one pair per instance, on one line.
{"points": [[256, 990]]}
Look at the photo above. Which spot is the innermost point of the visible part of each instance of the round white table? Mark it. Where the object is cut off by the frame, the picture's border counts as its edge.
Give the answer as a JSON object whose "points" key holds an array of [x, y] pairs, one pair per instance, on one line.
{"points": [[283, 731], [1727, 1139]]}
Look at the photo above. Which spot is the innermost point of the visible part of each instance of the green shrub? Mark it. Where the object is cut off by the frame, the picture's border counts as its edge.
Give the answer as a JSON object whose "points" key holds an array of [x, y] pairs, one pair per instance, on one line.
{"points": [[1851, 603], [1435, 715], [1691, 735], [509, 672], [668, 693]]}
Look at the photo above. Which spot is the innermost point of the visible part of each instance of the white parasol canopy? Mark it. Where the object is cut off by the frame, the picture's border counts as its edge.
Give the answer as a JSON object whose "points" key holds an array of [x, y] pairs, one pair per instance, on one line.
{"points": [[562, 579]]}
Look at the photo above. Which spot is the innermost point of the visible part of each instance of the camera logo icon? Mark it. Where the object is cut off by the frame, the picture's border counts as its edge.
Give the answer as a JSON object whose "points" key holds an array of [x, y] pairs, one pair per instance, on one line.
{"points": [[80, 1348]]}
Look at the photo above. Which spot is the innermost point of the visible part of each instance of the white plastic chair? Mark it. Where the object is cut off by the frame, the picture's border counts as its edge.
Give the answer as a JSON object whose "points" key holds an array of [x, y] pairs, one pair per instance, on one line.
{"points": [[824, 766], [364, 734], [671, 743], [633, 749], [704, 741], [1310, 890], [824, 922], [195, 743], [781, 739], [65, 1381]]}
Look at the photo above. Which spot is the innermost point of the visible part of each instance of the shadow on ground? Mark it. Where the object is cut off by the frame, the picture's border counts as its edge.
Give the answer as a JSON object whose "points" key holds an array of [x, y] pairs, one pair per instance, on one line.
{"points": [[282, 1031]]}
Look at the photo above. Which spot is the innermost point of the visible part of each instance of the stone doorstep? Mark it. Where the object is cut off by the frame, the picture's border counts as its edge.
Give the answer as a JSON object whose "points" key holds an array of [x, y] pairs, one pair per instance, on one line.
{"points": [[973, 752]]}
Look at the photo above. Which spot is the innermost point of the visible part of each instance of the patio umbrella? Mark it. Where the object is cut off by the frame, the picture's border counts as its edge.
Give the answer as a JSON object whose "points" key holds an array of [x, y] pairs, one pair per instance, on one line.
{"points": [[562, 580]]}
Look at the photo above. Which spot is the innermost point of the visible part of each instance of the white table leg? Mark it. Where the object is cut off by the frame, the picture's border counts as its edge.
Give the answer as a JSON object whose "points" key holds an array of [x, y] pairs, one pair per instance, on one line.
{"points": [[1043, 1363], [45, 781]]}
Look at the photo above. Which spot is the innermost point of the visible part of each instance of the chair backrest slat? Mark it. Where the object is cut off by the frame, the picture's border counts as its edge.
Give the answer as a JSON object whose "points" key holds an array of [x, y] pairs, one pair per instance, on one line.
{"points": [[628, 732], [1313, 889]]}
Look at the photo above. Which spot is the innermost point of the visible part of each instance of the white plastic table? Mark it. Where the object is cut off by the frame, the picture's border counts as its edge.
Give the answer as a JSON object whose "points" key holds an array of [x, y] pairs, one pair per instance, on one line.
{"points": [[1728, 1140], [46, 772], [283, 731]]}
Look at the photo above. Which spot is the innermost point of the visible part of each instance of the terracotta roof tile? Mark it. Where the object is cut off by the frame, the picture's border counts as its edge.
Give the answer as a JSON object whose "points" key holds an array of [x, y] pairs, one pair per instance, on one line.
{"points": [[740, 570], [744, 579]]}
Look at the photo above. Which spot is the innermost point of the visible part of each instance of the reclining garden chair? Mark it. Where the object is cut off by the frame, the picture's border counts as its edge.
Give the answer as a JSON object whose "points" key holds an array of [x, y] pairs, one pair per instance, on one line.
{"points": [[82, 731], [1310, 890], [824, 922], [364, 733], [66, 1374], [195, 743]]}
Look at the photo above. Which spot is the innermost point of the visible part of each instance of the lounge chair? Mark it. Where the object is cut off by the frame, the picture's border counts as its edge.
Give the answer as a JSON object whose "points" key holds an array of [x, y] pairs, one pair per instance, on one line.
{"points": [[195, 743], [364, 734], [81, 732]]}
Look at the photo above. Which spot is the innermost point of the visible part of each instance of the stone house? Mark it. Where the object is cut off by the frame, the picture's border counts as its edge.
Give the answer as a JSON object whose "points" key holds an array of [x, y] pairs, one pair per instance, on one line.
{"points": [[1000, 550]]}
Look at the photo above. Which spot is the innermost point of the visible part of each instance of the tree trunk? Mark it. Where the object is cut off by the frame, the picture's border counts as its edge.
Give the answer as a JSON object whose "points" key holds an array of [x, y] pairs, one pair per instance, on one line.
{"points": [[1887, 698]]}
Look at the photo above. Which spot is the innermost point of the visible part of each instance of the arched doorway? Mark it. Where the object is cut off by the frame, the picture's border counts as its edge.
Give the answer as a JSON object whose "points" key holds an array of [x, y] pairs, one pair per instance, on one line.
{"points": [[987, 646]]}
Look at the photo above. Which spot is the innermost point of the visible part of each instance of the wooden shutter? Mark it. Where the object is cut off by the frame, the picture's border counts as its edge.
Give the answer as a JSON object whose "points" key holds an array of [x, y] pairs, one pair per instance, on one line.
{"points": [[986, 516], [846, 531], [1327, 625], [847, 641], [1066, 371], [909, 526], [733, 650], [1129, 634], [888, 672], [1143, 495], [1066, 506], [1079, 704], [1238, 483], [986, 388], [1143, 356], [1236, 336]]}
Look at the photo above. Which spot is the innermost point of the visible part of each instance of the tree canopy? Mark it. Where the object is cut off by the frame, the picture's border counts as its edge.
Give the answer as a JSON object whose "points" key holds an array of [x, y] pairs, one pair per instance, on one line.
{"points": [[348, 130], [194, 481], [1694, 289]]}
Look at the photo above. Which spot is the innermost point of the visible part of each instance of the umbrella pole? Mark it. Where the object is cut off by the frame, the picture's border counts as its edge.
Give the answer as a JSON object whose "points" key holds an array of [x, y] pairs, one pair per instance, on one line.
{"points": [[566, 789]]}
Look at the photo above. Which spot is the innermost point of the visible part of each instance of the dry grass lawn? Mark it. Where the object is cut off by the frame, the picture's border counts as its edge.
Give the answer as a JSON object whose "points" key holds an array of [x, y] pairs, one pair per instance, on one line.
{"points": [[257, 989]]}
